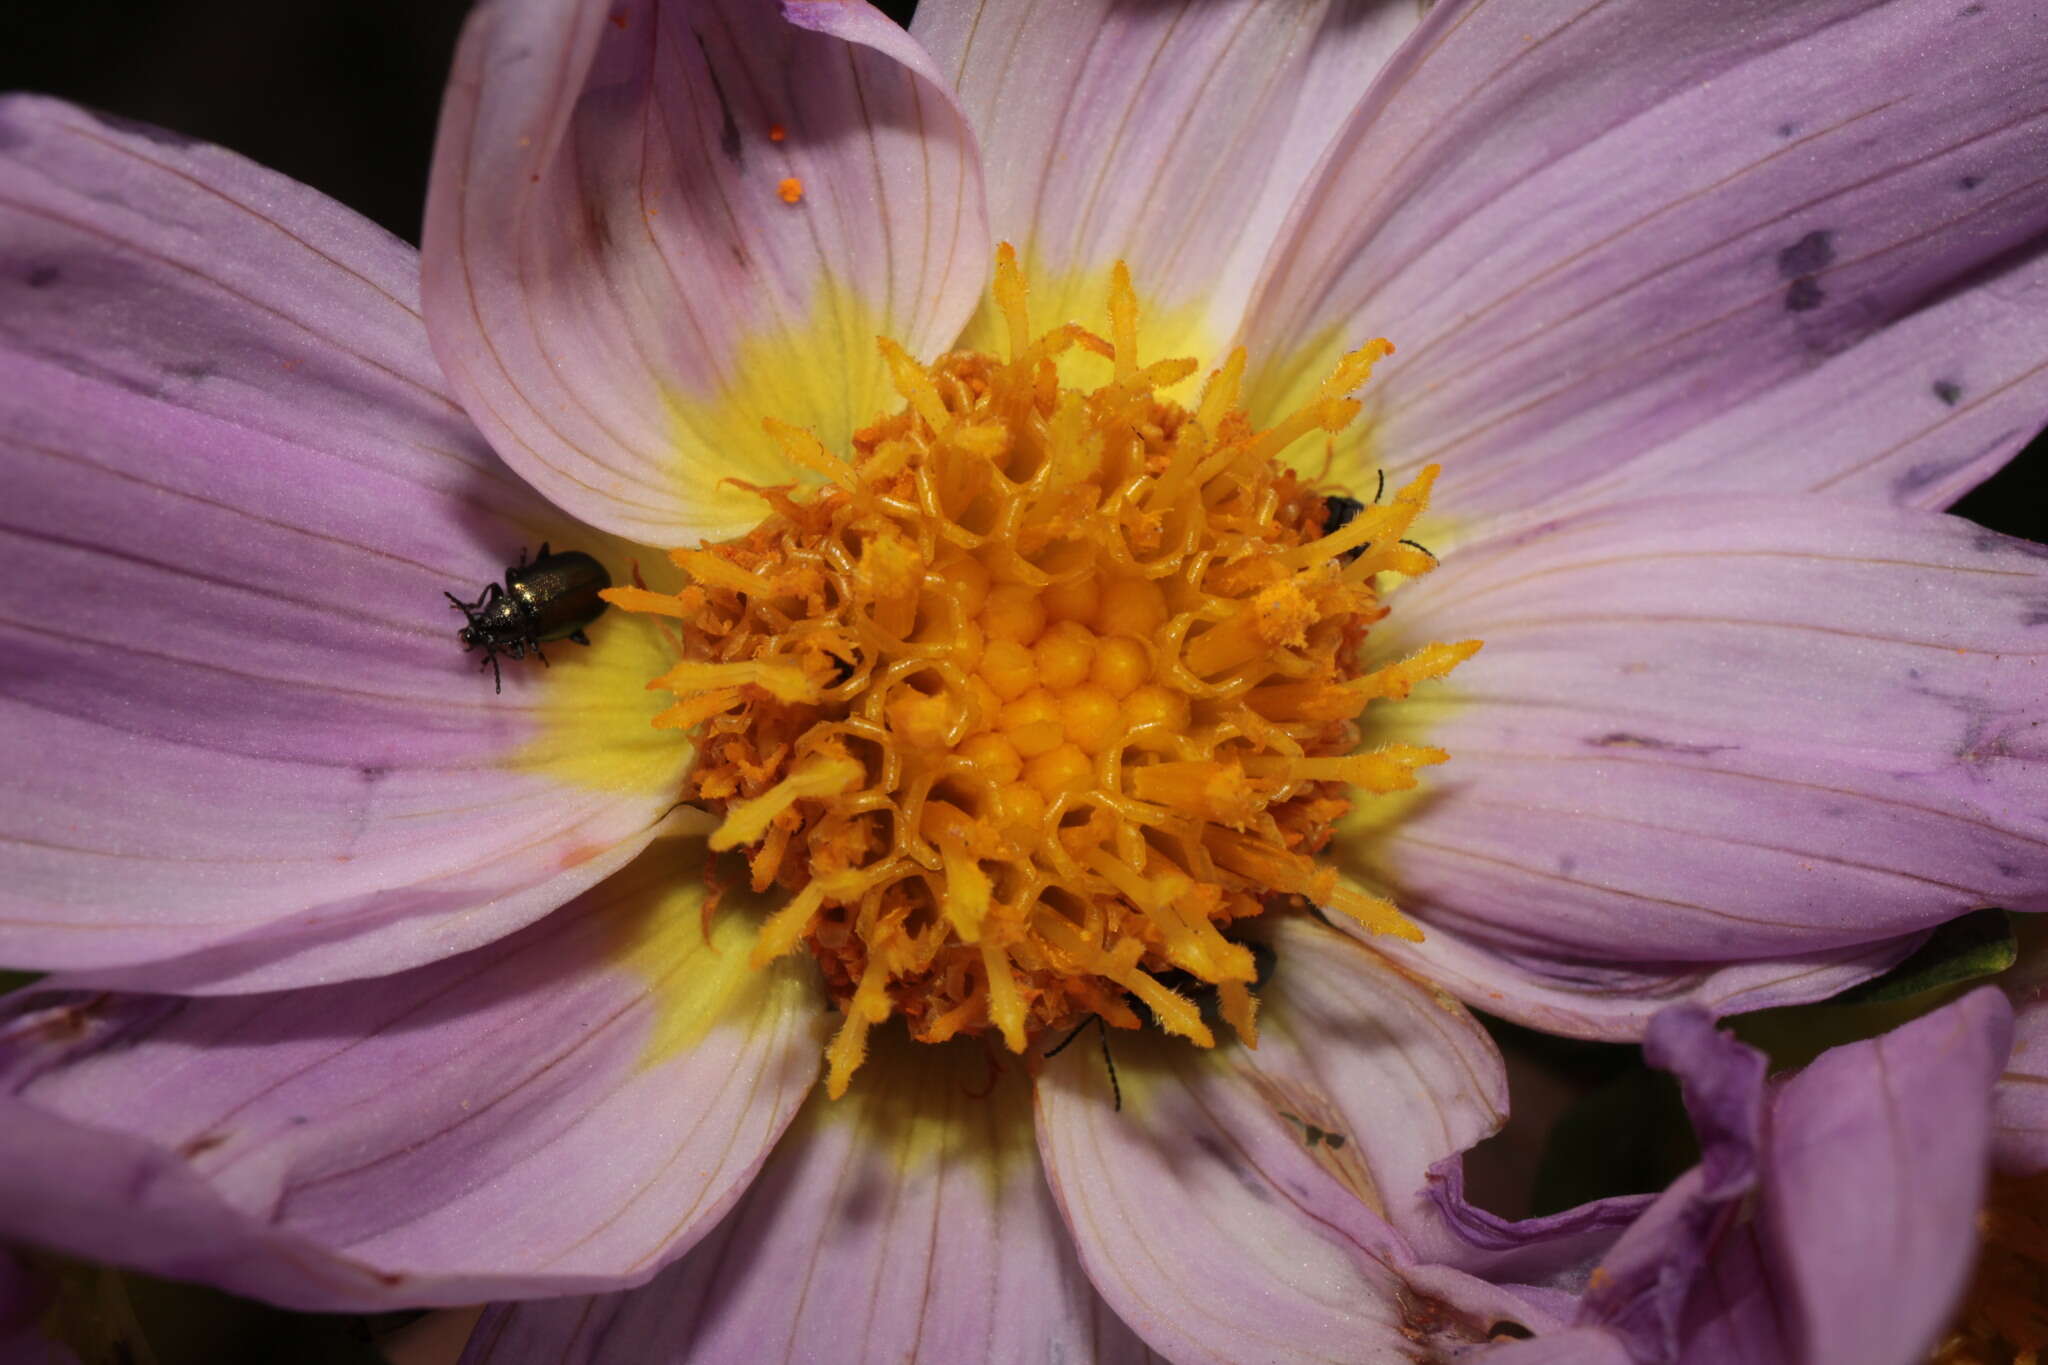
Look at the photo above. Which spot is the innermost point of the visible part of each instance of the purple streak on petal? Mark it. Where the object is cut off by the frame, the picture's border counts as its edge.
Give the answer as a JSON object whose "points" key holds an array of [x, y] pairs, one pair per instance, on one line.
{"points": [[1918, 415], [1874, 1178], [1615, 1001], [604, 228], [237, 707], [1174, 137], [2019, 1135], [518, 1120], [1744, 728], [907, 1221], [1593, 229]]}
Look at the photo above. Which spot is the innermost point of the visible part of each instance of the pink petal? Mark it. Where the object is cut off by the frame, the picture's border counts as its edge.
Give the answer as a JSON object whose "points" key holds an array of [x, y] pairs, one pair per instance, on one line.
{"points": [[248, 749], [2020, 1132], [614, 282], [1243, 1204], [908, 1221], [1172, 136], [1723, 730], [563, 1110], [1874, 1179], [1596, 231]]}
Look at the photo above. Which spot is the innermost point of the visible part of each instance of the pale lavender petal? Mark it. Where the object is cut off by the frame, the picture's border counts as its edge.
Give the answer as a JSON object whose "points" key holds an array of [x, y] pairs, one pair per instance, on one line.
{"points": [[615, 283], [907, 1221], [1593, 230], [2019, 1134], [1615, 1000], [561, 1111], [1875, 1175], [1724, 730], [1352, 1048], [1174, 137], [241, 730], [1232, 1209]]}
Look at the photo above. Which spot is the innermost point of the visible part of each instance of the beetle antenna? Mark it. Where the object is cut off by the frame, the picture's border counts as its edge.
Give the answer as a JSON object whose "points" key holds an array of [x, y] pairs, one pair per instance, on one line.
{"points": [[1072, 1034], [1116, 1088], [1424, 548]]}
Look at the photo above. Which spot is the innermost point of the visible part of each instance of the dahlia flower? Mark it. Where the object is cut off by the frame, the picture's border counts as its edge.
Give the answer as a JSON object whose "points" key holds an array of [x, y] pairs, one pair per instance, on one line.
{"points": [[1010, 632]]}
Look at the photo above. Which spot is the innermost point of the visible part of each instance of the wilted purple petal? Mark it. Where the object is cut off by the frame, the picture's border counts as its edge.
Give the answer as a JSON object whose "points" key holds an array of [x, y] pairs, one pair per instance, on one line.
{"points": [[1737, 1309], [1174, 137], [907, 1221], [1553, 1249], [615, 282], [1725, 729], [1592, 229], [1643, 1284], [1874, 1177], [559, 1111], [242, 731]]}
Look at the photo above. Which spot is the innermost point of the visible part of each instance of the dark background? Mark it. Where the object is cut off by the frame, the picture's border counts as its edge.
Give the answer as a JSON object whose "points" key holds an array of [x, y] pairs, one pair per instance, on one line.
{"points": [[343, 95]]}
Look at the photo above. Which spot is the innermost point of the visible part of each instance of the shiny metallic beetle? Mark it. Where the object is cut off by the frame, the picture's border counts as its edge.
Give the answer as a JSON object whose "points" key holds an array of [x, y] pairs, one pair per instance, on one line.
{"points": [[553, 598]]}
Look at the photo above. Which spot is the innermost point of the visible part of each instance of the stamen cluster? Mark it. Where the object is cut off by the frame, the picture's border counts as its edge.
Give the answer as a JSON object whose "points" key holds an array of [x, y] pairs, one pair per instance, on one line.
{"points": [[1044, 690]]}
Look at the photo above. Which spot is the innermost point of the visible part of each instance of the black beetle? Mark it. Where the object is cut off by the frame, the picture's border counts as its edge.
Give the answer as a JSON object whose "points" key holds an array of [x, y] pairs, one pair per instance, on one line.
{"points": [[1339, 512], [553, 598]]}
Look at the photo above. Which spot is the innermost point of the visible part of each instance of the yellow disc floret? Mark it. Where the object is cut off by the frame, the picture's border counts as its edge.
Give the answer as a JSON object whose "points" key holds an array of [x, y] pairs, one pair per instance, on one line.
{"points": [[1043, 690]]}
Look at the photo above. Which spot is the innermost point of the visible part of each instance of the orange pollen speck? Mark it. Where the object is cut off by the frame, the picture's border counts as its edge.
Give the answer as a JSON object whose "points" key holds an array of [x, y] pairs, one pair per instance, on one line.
{"points": [[1044, 691], [790, 189], [776, 132], [2004, 1316]]}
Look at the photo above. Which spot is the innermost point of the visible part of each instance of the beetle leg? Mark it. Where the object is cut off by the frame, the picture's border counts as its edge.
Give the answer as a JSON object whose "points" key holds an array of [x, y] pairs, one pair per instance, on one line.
{"points": [[535, 646]]}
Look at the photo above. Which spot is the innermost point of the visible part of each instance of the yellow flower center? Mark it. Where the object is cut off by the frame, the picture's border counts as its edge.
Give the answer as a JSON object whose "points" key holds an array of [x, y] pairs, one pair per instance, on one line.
{"points": [[1044, 690], [2004, 1318]]}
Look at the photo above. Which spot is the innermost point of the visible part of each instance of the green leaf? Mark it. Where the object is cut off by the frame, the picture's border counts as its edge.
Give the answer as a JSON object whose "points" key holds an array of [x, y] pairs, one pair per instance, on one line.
{"points": [[1975, 945], [1966, 949]]}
